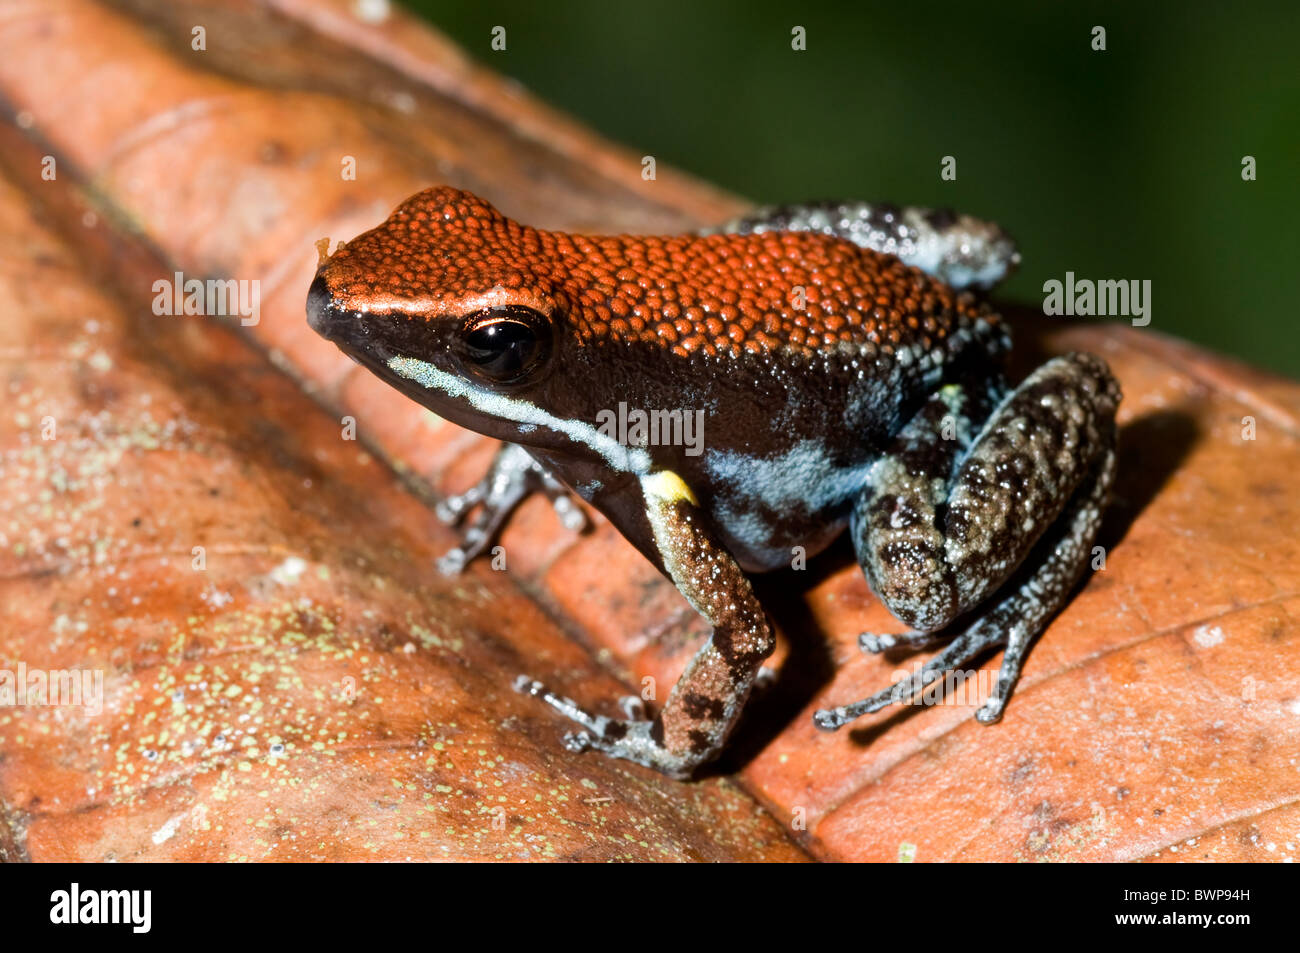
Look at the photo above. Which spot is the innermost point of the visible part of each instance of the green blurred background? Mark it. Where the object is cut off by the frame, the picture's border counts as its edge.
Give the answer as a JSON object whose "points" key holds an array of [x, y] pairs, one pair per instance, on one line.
{"points": [[1117, 164]]}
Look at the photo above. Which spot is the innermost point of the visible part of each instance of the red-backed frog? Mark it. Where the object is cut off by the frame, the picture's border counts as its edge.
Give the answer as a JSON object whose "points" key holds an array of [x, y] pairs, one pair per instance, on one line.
{"points": [[847, 374]]}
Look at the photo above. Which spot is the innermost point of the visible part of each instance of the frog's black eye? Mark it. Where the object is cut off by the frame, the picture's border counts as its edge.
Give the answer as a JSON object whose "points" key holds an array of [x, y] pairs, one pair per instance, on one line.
{"points": [[504, 345]]}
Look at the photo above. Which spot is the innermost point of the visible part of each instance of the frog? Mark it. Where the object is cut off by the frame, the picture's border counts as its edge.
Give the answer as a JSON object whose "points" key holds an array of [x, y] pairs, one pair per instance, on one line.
{"points": [[850, 374]]}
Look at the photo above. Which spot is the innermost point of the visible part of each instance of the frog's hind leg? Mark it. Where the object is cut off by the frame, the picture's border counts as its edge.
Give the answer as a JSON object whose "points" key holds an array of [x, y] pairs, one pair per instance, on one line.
{"points": [[962, 251], [513, 476], [934, 546], [1012, 623]]}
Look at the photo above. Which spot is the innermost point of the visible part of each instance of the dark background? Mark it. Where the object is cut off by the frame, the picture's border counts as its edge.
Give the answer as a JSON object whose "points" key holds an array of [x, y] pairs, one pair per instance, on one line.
{"points": [[1117, 164]]}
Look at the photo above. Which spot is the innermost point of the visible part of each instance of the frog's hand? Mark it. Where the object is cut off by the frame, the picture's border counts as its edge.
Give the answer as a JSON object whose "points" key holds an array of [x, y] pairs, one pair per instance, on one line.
{"points": [[946, 523], [513, 476], [706, 701], [961, 251]]}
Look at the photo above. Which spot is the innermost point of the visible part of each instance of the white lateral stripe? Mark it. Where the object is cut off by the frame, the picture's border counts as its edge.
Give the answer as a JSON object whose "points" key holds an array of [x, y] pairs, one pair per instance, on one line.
{"points": [[627, 459]]}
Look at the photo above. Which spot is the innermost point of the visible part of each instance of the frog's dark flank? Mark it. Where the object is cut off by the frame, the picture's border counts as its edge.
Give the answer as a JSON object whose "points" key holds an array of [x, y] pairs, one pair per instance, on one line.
{"points": [[849, 375]]}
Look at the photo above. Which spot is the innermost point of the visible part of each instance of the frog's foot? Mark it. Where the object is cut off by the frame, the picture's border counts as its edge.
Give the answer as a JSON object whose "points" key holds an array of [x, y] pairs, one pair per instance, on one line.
{"points": [[979, 638], [512, 478], [631, 739]]}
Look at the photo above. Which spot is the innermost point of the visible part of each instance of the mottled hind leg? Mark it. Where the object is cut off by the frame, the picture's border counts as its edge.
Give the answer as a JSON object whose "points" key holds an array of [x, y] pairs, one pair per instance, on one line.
{"points": [[961, 251], [935, 547], [878, 642], [512, 478], [1013, 621]]}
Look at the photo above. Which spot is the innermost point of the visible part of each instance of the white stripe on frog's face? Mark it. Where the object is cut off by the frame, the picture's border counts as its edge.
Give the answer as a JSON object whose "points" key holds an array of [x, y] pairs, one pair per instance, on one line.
{"points": [[528, 416]]}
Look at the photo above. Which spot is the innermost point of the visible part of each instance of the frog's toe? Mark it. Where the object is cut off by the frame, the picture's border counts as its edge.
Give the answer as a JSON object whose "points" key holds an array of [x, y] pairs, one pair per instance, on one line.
{"points": [[577, 741], [452, 509], [633, 707], [990, 713], [474, 540], [1017, 643], [765, 679], [566, 508], [873, 643], [594, 724], [615, 738], [453, 561]]}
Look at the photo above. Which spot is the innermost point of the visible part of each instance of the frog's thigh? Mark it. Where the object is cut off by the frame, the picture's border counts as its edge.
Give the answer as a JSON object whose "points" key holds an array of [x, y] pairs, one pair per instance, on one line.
{"points": [[707, 699], [896, 526], [933, 549]]}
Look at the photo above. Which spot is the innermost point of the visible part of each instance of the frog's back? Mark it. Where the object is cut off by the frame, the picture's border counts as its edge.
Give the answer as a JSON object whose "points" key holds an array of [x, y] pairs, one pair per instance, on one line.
{"points": [[799, 295], [802, 333]]}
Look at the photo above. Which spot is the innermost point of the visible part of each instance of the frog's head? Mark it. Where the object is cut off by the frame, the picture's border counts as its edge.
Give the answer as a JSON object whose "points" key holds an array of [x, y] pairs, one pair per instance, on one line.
{"points": [[461, 309]]}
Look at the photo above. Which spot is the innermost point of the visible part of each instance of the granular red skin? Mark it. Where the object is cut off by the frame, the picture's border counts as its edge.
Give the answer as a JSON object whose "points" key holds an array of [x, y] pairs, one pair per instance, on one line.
{"points": [[445, 253]]}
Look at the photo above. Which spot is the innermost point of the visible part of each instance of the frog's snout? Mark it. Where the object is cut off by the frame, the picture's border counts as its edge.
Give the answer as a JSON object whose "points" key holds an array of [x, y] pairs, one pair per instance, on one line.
{"points": [[361, 336], [322, 314], [335, 323]]}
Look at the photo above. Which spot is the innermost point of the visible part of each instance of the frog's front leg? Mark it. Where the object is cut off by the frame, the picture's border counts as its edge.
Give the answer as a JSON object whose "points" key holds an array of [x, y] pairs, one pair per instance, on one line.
{"points": [[704, 705], [513, 476], [936, 542]]}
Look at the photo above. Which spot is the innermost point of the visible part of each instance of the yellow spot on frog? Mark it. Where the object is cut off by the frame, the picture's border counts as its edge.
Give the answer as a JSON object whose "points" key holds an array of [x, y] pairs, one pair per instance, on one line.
{"points": [[668, 486]]}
